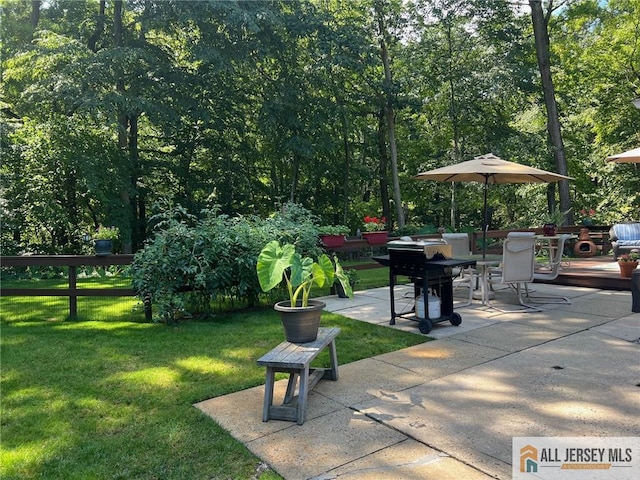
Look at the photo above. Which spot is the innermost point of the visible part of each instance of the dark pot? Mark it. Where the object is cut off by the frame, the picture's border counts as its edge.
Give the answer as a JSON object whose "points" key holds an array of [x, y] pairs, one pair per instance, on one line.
{"points": [[549, 229], [300, 323], [339, 289], [103, 247]]}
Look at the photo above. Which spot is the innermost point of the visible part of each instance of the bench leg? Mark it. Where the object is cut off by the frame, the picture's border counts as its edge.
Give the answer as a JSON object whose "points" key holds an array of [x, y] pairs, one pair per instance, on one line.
{"points": [[268, 394], [291, 387], [333, 356], [302, 395]]}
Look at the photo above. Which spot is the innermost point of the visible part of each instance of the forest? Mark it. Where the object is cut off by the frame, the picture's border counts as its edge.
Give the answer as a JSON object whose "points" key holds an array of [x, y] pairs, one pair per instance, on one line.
{"points": [[114, 111]]}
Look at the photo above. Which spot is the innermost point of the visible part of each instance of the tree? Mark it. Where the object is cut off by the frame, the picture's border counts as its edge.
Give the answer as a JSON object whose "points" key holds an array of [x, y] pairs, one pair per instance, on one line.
{"points": [[114, 106], [388, 108], [540, 23]]}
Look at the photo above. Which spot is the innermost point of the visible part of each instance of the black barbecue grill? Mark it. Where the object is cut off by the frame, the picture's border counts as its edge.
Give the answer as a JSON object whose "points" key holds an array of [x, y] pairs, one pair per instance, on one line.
{"points": [[428, 268]]}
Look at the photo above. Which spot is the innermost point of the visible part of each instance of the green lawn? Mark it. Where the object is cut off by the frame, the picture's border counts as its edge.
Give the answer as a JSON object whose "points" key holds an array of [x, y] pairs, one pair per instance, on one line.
{"points": [[113, 399]]}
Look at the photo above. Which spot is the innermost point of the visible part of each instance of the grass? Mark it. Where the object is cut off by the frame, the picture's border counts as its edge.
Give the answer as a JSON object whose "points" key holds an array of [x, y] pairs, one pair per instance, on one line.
{"points": [[113, 399]]}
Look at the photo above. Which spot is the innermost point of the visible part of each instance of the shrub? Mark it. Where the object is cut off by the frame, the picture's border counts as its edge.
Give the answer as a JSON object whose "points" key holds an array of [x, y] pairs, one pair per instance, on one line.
{"points": [[296, 225], [407, 230], [189, 263], [333, 230]]}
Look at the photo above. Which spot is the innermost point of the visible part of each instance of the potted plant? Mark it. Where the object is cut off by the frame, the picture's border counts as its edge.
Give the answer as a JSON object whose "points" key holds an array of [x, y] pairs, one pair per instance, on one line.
{"points": [[352, 276], [281, 264], [587, 216], [103, 240], [333, 236], [628, 262], [374, 230], [553, 221]]}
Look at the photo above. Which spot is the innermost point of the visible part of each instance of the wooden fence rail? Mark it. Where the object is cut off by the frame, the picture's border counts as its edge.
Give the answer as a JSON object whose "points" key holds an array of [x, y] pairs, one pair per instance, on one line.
{"points": [[73, 292]]}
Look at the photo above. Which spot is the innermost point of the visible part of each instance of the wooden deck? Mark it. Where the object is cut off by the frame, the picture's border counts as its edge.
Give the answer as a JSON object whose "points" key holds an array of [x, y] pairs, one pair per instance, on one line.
{"points": [[599, 271], [594, 272]]}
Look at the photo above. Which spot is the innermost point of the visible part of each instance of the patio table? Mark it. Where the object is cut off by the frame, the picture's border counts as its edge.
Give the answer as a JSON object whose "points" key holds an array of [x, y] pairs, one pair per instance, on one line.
{"points": [[483, 265]]}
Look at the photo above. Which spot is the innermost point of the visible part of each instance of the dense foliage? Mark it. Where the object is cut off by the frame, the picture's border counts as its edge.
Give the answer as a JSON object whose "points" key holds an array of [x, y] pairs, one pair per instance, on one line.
{"points": [[189, 263], [109, 107]]}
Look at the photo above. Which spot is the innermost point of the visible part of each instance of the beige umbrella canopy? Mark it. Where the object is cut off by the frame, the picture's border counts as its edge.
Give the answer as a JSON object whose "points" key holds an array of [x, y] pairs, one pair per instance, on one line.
{"points": [[488, 169], [631, 156]]}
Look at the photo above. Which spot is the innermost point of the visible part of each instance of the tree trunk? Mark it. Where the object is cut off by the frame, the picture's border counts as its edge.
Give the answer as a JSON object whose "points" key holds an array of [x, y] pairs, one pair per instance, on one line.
{"points": [[540, 30], [35, 13], [346, 185], [123, 123], [389, 114], [97, 33], [123, 120], [382, 152], [295, 177], [136, 237]]}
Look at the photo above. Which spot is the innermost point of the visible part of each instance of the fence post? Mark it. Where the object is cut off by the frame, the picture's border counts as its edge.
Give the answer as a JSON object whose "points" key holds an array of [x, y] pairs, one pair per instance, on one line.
{"points": [[73, 299], [148, 312]]}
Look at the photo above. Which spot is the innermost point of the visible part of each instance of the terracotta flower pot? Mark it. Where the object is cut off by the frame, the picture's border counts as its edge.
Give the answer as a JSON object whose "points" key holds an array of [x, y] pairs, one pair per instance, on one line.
{"points": [[627, 268]]}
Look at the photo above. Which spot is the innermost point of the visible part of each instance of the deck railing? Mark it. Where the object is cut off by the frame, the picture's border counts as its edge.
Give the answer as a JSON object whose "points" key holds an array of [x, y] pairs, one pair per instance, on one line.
{"points": [[598, 233]]}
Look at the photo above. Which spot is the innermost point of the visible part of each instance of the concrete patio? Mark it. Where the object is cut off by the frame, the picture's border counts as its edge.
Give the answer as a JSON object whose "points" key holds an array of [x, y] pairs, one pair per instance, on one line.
{"points": [[448, 409]]}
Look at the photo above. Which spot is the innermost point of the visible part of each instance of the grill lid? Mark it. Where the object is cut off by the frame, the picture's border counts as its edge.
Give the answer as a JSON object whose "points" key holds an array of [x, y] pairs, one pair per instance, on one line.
{"points": [[428, 247]]}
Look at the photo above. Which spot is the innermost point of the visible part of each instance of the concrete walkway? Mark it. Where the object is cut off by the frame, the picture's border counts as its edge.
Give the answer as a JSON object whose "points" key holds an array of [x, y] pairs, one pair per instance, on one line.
{"points": [[448, 409]]}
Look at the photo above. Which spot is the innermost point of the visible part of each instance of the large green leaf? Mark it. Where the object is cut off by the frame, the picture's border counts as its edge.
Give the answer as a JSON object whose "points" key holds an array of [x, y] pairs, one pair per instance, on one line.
{"points": [[272, 263], [324, 271], [301, 270]]}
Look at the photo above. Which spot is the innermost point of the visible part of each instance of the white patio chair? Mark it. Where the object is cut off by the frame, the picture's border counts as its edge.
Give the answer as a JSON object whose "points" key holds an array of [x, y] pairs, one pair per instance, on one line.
{"points": [[521, 235], [513, 235], [517, 268], [548, 272], [462, 277]]}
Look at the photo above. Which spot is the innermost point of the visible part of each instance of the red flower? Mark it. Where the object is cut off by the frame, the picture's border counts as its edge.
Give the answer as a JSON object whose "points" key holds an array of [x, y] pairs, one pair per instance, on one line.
{"points": [[374, 224]]}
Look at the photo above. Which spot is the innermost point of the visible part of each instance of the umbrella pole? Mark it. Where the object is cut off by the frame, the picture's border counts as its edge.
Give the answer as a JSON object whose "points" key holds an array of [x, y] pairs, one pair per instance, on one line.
{"points": [[484, 223]]}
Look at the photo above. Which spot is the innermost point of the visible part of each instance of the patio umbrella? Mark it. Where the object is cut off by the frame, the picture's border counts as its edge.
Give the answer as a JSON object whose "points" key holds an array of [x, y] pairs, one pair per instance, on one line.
{"points": [[631, 156], [488, 169]]}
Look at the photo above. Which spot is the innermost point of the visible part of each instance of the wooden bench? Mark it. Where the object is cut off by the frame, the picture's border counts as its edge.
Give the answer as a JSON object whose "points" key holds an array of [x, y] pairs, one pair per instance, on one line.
{"points": [[295, 359]]}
